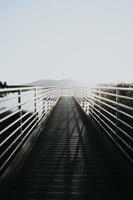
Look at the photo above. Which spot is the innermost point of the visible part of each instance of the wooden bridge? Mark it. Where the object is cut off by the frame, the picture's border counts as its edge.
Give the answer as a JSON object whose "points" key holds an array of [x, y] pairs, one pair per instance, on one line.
{"points": [[68, 157]]}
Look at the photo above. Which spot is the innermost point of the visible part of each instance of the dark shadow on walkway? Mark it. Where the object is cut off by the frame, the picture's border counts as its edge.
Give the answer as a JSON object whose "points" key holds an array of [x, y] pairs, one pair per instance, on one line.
{"points": [[69, 161]]}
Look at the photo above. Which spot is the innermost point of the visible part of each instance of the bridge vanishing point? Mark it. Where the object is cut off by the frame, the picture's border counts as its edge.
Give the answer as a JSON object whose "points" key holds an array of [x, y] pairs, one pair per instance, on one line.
{"points": [[73, 143]]}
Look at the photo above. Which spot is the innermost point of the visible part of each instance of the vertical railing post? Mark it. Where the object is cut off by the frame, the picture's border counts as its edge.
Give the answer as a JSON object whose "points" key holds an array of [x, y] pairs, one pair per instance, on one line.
{"points": [[48, 99], [40, 93], [36, 103], [88, 102], [80, 95], [52, 96], [91, 95], [45, 94], [41, 105], [99, 93], [35, 100], [117, 108], [20, 109], [56, 95], [83, 90], [44, 109], [51, 93]]}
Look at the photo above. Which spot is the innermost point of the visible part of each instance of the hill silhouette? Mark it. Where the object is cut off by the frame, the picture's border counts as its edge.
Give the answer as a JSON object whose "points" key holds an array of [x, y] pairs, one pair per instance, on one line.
{"points": [[63, 83]]}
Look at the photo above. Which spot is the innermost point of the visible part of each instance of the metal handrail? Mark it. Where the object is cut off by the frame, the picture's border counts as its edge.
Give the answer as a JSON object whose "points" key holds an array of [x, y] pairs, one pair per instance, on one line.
{"points": [[114, 102], [109, 88], [17, 121], [113, 108], [114, 116], [16, 89], [114, 95]]}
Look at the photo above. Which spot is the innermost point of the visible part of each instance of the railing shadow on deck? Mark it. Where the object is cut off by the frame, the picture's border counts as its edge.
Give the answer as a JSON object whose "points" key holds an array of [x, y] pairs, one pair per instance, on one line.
{"points": [[76, 146]]}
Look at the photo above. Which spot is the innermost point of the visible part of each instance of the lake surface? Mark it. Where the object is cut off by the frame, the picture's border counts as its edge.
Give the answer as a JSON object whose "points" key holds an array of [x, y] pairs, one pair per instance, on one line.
{"points": [[11, 99]]}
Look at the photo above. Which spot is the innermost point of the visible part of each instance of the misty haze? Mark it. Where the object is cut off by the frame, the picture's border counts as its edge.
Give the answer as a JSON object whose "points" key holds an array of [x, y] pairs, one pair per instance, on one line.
{"points": [[66, 99]]}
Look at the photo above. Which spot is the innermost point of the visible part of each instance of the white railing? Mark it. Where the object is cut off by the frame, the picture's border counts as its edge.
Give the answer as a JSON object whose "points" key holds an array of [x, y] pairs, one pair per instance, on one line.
{"points": [[21, 109], [112, 109]]}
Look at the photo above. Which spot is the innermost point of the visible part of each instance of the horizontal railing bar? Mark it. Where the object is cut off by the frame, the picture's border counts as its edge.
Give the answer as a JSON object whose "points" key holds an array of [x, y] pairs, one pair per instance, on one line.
{"points": [[16, 131], [97, 103], [50, 98], [23, 95], [14, 106], [113, 88], [128, 136], [47, 100], [114, 116], [29, 124], [43, 96], [118, 110], [113, 124], [7, 138], [19, 136], [123, 122], [16, 97], [104, 124], [10, 115], [113, 130], [10, 125], [24, 89], [4, 141], [114, 102], [42, 100], [115, 95], [113, 108], [13, 123], [40, 97], [8, 109], [124, 152], [11, 155]]}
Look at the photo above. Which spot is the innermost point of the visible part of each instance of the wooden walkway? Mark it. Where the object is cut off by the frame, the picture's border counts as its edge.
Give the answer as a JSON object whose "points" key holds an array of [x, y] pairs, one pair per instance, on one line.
{"points": [[70, 161]]}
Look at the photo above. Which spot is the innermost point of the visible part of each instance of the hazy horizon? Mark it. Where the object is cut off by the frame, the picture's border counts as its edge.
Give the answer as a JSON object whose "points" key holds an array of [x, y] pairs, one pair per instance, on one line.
{"points": [[85, 40], [82, 82]]}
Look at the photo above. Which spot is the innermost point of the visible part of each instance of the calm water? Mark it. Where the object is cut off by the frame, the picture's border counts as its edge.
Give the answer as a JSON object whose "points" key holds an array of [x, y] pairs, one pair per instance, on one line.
{"points": [[11, 99]]}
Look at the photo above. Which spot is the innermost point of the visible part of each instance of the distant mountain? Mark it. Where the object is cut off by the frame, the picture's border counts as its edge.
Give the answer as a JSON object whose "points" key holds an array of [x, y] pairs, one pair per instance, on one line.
{"points": [[63, 83]]}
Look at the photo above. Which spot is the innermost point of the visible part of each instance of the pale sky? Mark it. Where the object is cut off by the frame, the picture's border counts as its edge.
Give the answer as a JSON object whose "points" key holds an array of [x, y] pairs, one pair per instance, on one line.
{"points": [[86, 40]]}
